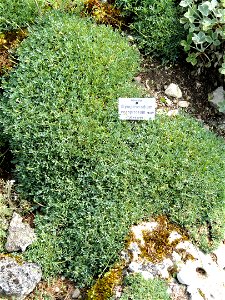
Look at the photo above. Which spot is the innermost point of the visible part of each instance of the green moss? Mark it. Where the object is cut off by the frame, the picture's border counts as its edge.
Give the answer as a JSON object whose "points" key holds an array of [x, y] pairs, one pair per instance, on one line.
{"points": [[17, 258], [103, 288], [157, 245], [202, 294], [185, 255]]}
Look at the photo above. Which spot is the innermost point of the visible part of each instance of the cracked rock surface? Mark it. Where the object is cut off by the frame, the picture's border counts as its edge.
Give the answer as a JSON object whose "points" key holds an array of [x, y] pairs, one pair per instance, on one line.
{"points": [[17, 279], [159, 249], [20, 235]]}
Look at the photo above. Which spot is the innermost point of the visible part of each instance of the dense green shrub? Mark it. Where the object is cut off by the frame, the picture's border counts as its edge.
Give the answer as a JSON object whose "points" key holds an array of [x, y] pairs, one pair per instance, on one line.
{"points": [[3, 142], [92, 174], [155, 25], [2, 137], [136, 287]]}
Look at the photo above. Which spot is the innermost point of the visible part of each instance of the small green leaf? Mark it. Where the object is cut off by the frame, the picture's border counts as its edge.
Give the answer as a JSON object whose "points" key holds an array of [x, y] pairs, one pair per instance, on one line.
{"points": [[185, 45], [199, 38], [212, 4], [207, 23], [216, 42], [190, 15], [222, 69], [185, 3], [209, 39], [192, 58], [204, 9], [193, 28], [183, 20]]}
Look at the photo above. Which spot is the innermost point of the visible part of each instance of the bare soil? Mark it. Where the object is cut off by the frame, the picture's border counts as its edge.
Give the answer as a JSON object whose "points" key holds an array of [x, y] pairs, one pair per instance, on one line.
{"points": [[195, 88]]}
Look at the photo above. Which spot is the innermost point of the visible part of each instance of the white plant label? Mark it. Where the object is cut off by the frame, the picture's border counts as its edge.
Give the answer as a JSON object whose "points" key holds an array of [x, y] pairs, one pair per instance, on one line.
{"points": [[137, 108]]}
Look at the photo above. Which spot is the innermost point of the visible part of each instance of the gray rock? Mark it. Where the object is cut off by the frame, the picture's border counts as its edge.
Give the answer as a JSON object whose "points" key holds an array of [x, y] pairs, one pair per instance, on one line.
{"points": [[178, 291], [134, 250], [17, 280], [173, 90], [20, 234], [217, 97]]}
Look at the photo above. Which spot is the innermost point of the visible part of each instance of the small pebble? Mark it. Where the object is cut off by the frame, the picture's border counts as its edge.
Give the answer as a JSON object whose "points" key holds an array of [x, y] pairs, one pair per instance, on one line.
{"points": [[183, 104], [57, 289], [206, 127], [173, 90], [173, 112], [147, 275], [130, 38], [138, 79], [168, 101], [76, 293]]}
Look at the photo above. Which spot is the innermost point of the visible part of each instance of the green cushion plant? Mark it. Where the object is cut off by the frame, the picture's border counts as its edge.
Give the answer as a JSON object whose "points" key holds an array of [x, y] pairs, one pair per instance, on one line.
{"points": [[90, 174], [136, 287]]}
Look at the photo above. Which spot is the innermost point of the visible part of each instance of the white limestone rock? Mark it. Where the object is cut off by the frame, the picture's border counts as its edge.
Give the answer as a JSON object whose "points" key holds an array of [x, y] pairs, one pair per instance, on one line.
{"points": [[203, 278], [134, 267], [173, 90], [138, 230], [168, 101], [220, 256], [20, 235], [163, 268], [146, 275], [174, 236]]}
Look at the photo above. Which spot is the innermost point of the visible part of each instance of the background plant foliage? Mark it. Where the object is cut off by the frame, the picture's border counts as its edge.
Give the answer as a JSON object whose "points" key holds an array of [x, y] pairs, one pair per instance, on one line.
{"points": [[155, 25], [205, 43], [18, 13], [93, 174]]}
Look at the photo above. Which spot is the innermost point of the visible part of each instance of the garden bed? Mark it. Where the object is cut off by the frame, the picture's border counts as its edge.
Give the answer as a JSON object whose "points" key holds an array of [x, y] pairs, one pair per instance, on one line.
{"points": [[89, 176]]}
